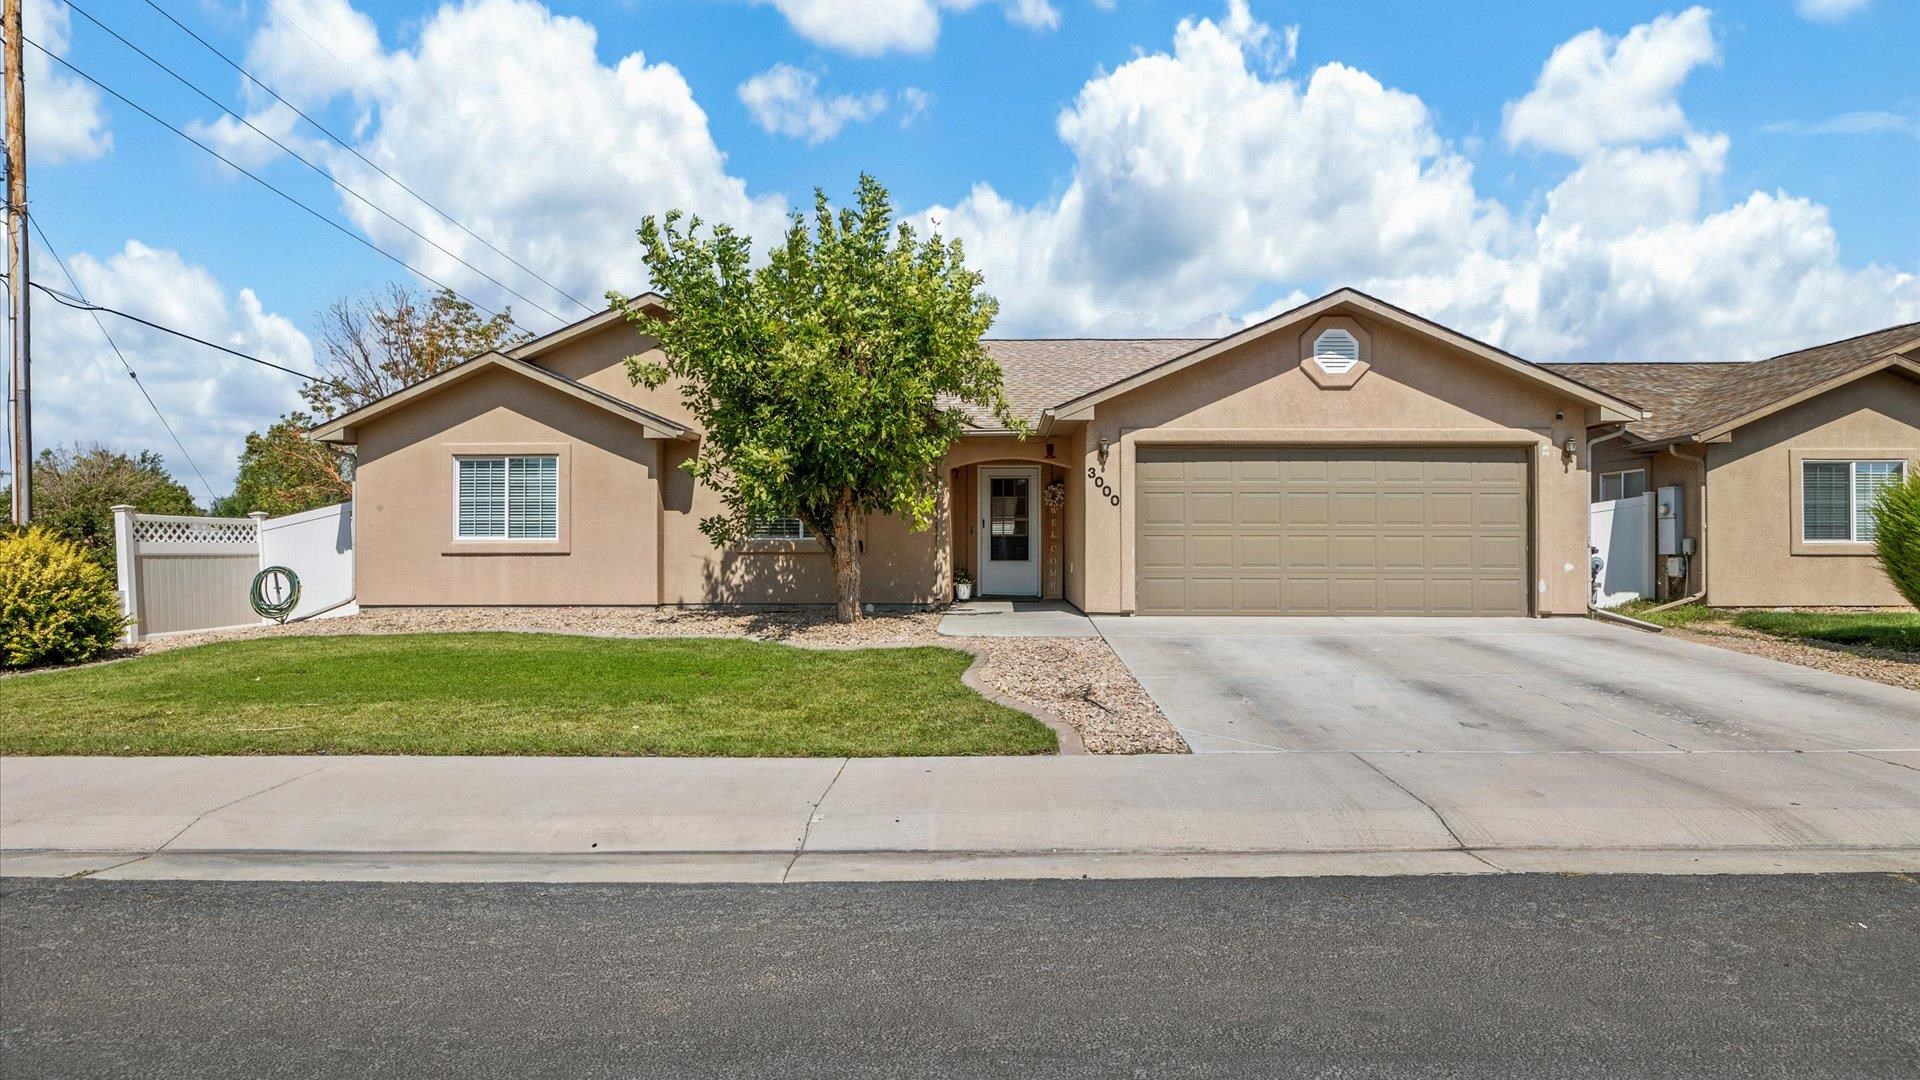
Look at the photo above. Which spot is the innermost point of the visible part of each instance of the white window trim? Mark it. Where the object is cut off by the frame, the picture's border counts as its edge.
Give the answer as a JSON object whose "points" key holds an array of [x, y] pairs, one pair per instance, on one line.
{"points": [[1600, 488], [1853, 494], [506, 502], [1335, 363]]}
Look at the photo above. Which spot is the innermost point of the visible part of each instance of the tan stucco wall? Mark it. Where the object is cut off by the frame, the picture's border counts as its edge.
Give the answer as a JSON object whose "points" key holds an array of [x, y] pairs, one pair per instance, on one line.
{"points": [[1751, 557], [403, 502], [1415, 392]]}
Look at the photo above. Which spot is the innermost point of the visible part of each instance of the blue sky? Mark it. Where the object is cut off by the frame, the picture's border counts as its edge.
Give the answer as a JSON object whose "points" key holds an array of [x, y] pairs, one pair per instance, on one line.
{"points": [[1575, 181]]}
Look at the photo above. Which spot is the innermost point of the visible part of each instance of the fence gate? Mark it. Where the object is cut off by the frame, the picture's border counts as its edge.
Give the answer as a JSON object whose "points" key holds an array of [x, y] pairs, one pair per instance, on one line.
{"points": [[1621, 534], [192, 573]]}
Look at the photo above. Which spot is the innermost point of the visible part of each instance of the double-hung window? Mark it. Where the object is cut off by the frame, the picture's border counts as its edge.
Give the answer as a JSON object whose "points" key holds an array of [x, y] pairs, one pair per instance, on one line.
{"points": [[508, 497], [1627, 484], [1837, 497]]}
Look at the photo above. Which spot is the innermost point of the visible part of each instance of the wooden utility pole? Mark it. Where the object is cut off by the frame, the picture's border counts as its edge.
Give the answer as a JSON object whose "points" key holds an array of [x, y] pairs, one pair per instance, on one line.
{"points": [[17, 279]]}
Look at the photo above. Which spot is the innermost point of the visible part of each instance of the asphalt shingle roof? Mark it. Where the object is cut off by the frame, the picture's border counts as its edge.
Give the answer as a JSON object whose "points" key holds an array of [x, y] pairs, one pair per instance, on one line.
{"points": [[1688, 398], [1039, 373]]}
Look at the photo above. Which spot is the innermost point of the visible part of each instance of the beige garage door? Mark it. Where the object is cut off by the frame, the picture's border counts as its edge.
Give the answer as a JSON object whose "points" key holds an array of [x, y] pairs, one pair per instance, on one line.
{"points": [[1295, 531]]}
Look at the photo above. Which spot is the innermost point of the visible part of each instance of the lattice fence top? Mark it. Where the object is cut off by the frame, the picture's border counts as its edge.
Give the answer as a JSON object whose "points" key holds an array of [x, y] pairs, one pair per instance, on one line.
{"points": [[219, 532]]}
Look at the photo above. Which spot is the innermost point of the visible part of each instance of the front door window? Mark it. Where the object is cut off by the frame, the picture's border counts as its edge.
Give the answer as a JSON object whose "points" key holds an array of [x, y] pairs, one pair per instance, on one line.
{"points": [[1008, 524]]}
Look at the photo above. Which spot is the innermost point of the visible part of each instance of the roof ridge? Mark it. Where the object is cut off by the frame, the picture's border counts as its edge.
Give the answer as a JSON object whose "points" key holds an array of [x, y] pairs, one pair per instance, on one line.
{"points": [[1914, 326]]}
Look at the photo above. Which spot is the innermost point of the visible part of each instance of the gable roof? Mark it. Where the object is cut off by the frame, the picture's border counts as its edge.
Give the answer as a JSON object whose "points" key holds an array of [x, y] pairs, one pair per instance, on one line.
{"points": [[1699, 401], [1610, 406], [654, 426]]}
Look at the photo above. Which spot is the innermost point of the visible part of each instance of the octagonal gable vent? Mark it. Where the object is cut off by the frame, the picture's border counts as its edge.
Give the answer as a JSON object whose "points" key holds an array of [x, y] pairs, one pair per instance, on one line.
{"points": [[1336, 351]]}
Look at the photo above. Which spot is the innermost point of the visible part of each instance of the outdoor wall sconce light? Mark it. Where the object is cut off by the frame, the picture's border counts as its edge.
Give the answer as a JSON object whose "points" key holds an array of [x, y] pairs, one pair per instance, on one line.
{"points": [[1049, 451], [1105, 445], [1570, 451]]}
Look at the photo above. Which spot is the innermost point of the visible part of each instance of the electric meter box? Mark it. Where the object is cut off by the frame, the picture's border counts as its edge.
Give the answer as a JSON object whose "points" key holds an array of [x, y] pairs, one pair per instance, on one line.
{"points": [[1670, 515]]}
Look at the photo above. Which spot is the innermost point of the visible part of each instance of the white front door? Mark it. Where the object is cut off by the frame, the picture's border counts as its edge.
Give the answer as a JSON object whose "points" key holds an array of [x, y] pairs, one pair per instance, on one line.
{"points": [[1009, 532]]}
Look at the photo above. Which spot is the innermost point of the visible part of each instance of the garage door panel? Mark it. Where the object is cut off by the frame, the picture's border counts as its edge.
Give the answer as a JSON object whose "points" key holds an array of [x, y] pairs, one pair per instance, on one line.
{"points": [[1163, 508], [1257, 507], [1257, 596], [1157, 552], [1210, 508], [1500, 509], [1210, 551], [1261, 552], [1306, 508], [1349, 531]]}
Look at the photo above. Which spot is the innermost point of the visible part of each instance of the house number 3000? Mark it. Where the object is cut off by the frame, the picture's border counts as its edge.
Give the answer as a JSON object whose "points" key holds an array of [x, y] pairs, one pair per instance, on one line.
{"points": [[1100, 482]]}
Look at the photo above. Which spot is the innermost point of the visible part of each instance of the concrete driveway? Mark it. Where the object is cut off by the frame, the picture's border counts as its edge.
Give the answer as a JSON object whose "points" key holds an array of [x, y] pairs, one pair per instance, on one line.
{"points": [[1492, 686]]}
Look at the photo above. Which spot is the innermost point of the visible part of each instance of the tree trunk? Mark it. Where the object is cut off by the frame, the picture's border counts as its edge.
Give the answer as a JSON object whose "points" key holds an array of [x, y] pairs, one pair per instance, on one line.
{"points": [[845, 549]]}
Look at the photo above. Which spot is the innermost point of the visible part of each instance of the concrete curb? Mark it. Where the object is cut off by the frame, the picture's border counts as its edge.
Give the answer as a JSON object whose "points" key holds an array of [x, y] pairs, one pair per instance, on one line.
{"points": [[775, 867]]}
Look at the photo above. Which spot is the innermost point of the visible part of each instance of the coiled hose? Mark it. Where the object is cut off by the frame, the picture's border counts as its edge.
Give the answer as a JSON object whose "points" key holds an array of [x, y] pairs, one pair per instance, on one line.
{"points": [[286, 597]]}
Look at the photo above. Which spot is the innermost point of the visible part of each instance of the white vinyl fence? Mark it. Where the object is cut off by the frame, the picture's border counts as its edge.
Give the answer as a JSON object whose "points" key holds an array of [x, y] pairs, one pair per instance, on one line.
{"points": [[1621, 533], [193, 573]]}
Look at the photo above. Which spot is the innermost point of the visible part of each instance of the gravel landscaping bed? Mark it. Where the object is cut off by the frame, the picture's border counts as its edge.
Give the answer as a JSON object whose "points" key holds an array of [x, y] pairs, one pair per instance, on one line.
{"points": [[1079, 680], [1860, 661]]}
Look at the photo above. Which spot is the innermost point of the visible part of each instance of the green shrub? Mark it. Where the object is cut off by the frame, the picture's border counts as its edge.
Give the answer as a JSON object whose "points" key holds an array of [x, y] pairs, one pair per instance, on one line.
{"points": [[1896, 522], [56, 605]]}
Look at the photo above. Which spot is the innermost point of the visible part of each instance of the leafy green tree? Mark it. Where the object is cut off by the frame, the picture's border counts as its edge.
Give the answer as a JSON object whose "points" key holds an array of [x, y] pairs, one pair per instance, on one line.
{"points": [[1896, 535], [828, 383], [76, 489], [284, 472], [372, 345]]}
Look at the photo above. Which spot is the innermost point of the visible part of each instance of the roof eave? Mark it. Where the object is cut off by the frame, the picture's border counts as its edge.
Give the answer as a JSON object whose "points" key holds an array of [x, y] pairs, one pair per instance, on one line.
{"points": [[1894, 361], [340, 428]]}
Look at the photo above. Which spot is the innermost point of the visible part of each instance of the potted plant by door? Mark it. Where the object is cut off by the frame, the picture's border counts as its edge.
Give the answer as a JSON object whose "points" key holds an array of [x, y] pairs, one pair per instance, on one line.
{"points": [[962, 586]]}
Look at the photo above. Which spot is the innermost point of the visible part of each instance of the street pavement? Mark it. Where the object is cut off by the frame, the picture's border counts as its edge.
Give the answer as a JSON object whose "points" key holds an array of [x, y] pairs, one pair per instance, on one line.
{"points": [[1489, 977]]}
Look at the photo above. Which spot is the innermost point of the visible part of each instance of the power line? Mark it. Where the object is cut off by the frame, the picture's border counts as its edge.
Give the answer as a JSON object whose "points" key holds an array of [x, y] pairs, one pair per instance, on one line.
{"points": [[83, 304], [249, 174], [351, 149], [302, 159], [115, 346]]}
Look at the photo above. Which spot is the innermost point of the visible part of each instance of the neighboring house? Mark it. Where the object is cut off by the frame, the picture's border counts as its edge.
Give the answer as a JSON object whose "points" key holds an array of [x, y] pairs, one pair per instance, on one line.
{"points": [[1778, 461], [1346, 457]]}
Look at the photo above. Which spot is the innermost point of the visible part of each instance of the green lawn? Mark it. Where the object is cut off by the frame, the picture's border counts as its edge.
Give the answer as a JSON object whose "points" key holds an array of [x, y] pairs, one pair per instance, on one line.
{"points": [[1889, 630], [1886, 629], [514, 694]]}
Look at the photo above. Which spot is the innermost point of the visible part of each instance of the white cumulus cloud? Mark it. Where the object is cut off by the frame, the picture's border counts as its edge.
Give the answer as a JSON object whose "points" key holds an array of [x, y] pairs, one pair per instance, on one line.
{"points": [[1207, 191], [875, 27], [64, 118], [786, 100], [549, 153], [1597, 90], [82, 394], [1830, 10]]}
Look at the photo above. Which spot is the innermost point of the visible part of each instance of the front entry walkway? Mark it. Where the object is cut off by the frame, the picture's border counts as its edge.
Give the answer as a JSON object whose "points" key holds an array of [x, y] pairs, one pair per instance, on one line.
{"points": [[1497, 686], [1016, 618]]}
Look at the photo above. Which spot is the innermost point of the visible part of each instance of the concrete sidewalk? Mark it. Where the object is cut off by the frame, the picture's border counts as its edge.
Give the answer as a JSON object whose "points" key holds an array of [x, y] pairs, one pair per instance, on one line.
{"points": [[654, 819]]}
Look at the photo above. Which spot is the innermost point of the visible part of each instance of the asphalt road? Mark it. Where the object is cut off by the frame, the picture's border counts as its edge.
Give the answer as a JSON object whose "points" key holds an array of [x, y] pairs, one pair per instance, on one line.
{"points": [[1468, 977]]}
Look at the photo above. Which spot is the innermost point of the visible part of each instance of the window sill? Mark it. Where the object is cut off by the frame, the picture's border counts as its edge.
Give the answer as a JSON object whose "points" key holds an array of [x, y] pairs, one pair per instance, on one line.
{"points": [[1851, 548], [505, 547], [779, 547]]}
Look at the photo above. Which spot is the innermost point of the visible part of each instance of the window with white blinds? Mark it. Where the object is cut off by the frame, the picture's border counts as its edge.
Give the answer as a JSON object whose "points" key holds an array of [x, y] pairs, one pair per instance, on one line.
{"points": [[777, 528], [1336, 351], [509, 497], [1837, 497]]}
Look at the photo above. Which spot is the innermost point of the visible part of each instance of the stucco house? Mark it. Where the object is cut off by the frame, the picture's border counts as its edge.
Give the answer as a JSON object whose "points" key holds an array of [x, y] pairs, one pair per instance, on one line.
{"points": [[1346, 457], [1778, 461]]}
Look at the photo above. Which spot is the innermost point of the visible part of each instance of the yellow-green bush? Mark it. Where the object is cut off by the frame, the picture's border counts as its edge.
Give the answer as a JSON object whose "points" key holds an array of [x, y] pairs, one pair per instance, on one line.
{"points": [[56, 605], [1896, 518]]}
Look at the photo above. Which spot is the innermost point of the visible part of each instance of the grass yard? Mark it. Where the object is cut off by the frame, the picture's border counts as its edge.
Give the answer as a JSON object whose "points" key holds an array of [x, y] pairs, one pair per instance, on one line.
{"points": [[1896, 630], [507, 693], [1888, 630]]}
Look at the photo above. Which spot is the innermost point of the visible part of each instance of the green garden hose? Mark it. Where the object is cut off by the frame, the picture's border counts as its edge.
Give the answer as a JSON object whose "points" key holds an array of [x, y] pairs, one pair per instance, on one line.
{"points": [[275, 593]]}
